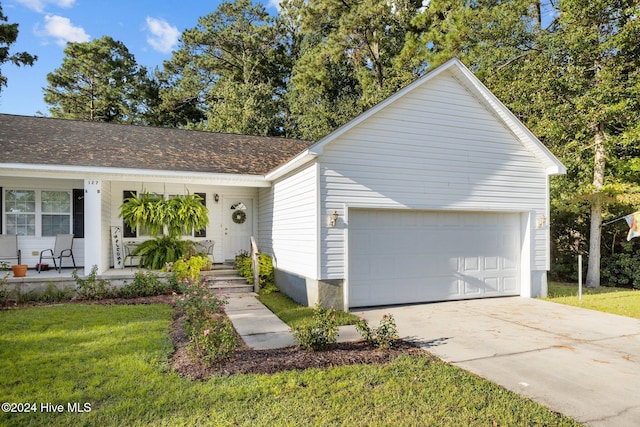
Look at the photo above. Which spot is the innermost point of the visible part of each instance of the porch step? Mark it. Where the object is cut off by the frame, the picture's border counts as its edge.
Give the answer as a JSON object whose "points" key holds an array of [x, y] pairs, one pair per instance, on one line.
{"points": [[226, 279], [231, 287]]}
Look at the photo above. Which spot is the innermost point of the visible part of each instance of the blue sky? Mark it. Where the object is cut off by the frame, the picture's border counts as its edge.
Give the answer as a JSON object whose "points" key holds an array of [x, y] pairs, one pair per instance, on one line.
{"points": [[149, 28]]}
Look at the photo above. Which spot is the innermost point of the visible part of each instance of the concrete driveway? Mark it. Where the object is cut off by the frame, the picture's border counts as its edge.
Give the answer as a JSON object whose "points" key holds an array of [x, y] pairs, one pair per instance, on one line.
{"points": [[581, 363]]}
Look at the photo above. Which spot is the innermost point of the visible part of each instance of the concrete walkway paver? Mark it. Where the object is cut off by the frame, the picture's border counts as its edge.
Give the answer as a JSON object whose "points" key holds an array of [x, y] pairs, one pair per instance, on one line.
{"points": [[582, 363], [261, 329]]}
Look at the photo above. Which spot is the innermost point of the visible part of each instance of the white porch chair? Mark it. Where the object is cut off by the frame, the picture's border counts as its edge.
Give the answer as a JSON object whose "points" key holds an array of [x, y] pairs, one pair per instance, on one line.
{"points": [[63, 248], [206, 246], [9, 248]]}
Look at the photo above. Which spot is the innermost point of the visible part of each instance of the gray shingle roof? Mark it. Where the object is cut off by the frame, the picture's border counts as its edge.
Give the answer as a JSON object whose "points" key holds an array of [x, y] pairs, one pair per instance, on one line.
{"points": [[47, 141]]}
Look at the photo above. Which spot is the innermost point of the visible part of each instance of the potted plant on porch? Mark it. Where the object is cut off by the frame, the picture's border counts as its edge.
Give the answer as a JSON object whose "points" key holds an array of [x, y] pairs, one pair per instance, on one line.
{"points": [[178, 216], [19, 270]]}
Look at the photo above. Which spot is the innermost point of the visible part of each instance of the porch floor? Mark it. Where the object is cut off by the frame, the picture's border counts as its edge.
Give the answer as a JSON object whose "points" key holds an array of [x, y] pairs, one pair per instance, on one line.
{"points": [[222, 276]]}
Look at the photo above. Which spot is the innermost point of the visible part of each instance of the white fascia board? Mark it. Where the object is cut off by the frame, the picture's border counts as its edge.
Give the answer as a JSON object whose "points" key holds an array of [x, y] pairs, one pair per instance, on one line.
{"points": [[123, 174], [300, 160]]}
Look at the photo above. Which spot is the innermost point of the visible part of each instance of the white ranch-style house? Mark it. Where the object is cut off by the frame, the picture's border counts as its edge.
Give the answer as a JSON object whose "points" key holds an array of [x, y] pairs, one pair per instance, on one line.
{"points": [[437, 193]]}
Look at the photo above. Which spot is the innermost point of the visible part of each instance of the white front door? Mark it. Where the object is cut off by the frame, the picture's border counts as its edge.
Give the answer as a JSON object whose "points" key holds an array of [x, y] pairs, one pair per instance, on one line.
{"points": [[237, 220]]}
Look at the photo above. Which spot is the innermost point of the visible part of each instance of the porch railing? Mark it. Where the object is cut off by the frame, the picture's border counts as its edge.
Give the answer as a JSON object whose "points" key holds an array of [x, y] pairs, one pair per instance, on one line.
{"points": [[256, 265]]}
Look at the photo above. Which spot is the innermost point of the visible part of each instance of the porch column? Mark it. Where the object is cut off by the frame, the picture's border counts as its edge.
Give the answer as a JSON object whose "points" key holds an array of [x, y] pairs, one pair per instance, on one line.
{"points": [[93, 236]]}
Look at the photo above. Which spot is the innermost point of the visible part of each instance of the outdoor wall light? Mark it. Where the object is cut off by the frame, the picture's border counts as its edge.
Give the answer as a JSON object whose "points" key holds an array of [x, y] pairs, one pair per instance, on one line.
{"points": [[332, 219], [216, 197], [542, 221]]}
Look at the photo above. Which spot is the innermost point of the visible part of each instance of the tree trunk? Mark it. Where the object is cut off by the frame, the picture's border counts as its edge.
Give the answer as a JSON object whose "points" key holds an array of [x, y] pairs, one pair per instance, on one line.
{"points": [[593, 269]]}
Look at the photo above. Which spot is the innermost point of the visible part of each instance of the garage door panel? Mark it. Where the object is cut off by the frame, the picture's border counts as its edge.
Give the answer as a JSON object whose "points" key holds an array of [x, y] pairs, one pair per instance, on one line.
{"points": [[419, 256], [492, 286], [511, 286], [491, 263]]}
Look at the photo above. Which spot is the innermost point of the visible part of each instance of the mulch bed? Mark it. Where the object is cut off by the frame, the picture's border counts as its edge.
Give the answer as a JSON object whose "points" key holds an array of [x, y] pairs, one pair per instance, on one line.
{"points": [[249, 361]]}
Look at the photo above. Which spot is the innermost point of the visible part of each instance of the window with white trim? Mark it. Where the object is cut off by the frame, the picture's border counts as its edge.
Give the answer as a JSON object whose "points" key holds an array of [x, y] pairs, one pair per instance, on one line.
{"points": [[37, 212]]}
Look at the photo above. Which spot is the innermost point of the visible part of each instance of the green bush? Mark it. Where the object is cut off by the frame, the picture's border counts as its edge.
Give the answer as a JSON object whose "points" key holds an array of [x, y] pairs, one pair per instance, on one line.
{"points": [[239, 260], [381, 337], [190, 268], [156, 253], [321, 332], [52, 293], [5, 293], [92, 287], [145, 284], [621, 270], [265, 272]]}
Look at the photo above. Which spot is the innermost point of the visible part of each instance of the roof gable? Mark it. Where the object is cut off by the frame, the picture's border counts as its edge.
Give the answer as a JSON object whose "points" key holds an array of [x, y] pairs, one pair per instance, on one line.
{"points": [[455, 69], [59, 142]]}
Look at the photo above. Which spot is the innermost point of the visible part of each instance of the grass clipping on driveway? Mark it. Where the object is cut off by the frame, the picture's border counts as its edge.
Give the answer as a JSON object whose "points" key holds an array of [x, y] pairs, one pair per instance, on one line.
{"points": [[115, 358]]}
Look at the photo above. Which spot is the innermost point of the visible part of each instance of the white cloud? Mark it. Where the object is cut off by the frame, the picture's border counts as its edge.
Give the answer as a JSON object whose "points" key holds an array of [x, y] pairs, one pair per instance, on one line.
{"points": [[63, 31], [274, 4], [39, 5], [163, 36]]}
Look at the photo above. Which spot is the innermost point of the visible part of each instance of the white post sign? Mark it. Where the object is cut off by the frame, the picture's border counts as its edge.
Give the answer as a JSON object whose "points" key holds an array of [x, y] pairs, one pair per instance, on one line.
{"points": [[117, 246]]}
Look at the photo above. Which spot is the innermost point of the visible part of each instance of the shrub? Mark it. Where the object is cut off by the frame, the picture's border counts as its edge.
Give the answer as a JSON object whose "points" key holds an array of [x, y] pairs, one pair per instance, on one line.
{"points": [[210, 331], [621, 270], [52, 293], [91, 287], [5, 293], [239, 261], [215, 340], [189, 269], [265, 272], [144, 285], [321, 332], [381, 337], [156, 253]]}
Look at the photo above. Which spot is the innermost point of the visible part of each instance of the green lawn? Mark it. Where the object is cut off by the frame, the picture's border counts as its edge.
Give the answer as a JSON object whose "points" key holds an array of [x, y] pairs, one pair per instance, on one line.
{"points": [[115, 358], [294, 314], [625, 302]]}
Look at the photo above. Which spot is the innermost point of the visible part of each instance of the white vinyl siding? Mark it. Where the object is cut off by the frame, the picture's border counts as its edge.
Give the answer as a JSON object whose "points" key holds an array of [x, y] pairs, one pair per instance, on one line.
{"points": [[288, 222], [436, 148]]}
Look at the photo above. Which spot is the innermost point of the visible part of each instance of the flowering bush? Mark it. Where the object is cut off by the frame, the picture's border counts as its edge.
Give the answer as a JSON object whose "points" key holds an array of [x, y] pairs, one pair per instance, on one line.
{"points": [[217, 342], [212, 335], [321, 332], [381, 337]]}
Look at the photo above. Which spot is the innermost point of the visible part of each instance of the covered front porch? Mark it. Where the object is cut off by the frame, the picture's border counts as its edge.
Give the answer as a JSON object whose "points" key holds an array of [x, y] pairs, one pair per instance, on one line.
{"points": [[89, 208]]}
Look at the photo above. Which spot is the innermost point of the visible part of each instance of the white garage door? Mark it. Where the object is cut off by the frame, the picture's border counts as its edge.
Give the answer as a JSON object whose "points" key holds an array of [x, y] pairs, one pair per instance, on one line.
{"points": [[418, 256]]}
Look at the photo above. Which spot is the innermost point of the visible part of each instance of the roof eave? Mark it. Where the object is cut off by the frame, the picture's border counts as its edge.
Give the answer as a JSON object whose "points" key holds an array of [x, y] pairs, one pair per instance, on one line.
{"points": [[298, 161], [125, 174]]}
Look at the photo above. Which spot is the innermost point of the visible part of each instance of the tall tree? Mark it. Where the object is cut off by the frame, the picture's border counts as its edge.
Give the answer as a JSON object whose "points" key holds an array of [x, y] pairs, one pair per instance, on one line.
{"points": [[229, 68], [348, 58], [597, 68], [8, 36], [99, 81]]}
